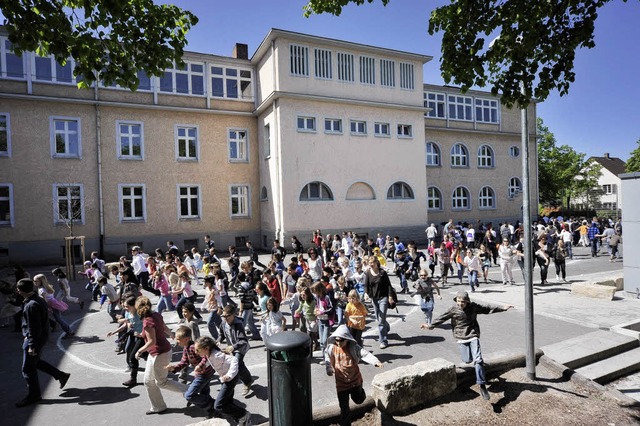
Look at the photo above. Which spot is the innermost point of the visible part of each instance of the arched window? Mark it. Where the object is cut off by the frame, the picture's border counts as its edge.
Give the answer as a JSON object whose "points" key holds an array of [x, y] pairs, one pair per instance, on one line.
{"points": [[485, 157], [459, 156], [515, 187], [360, 191], [316, 191], [460, 198], [400, 191], [264, 195], [434, 198], [487, 198], [433, 154]]}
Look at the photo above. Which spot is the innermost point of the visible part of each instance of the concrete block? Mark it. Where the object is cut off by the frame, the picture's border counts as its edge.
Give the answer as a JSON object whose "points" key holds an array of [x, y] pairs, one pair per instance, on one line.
{"points": [[612, 368], [617, 283], [407, 387], [593, 290]]}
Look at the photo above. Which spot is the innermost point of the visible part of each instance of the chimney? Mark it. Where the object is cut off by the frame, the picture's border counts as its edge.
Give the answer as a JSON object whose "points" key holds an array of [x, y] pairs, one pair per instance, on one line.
{"points": [[240, 51]]}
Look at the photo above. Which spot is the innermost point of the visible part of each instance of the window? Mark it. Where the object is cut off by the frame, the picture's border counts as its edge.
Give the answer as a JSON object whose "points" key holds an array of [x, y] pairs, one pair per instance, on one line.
{"points": [[405, 131], [485, 156], [367, 70], [188, 202], [129, 140], [358, 127], [238, 147], [264, 195], [459, 156], [515, 187], [144, 82], [306, 124], [5, 135], [433, 154], [6, 204], [399, 191], [187, 142], [382, 129], [460, 108], [460, 198], [345, 67], [608, 188], [68, 204], [186, 80], [487, 198], [514, 151], [486, 110], [132, 203], [316, 191], [332, 125], [387, 73], [65, 137], [322, 63], [436, 102], [267, 141], [434, 198], [239, 199], [299, 60], [610, 206], [231, 83], [406, 76], [48, 69], [11, 65]]}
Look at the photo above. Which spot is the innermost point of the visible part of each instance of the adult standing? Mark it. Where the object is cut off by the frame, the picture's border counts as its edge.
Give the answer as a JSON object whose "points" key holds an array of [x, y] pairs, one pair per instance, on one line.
{"points": [[567, 238], [253, 255], [140, 270], [593, 234], [378, 287], [432, 233], [315, 265], [35, 329], [506, 254]]}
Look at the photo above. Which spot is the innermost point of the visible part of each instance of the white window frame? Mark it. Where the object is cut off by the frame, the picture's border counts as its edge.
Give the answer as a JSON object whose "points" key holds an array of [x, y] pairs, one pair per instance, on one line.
{"points": [[52, 132], [514, 187], [299, 60], [407, 79], [434, 198], [323, 63], [358, 127], [153, 82], [186, 138], [56, 202], [459, 154], [53, 68], [437, 101], [406, 192], [129, 136], [228, 78], [405, 131], [191, 75], [458, 201], [244, 199], [189, 196], [308, 124], [387, 73], [4, 52], [433, 158], [132, 198], [335, 126], [9, 200], [346, 67], [267, 140], [514, 151], [242, 145], [324, 192], [382, 130], [367, 70], [460, 107], [607, 188], [6, 129], [487, 198], [487, 106], [486, 157]]}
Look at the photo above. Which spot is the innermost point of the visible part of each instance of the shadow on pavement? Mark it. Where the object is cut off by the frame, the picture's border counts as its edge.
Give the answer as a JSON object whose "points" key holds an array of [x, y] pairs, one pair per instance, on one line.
{"points": [[101, 395]]}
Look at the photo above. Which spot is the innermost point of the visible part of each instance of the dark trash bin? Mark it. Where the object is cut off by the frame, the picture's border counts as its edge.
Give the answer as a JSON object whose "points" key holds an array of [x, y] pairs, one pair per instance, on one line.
{"points": [[289, 375]]}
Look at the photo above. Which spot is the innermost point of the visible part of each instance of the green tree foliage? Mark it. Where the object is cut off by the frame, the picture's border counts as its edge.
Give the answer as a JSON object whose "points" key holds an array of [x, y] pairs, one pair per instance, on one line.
{"points": [[116, 38], [633, 163], [503, 43], [563, 173]]}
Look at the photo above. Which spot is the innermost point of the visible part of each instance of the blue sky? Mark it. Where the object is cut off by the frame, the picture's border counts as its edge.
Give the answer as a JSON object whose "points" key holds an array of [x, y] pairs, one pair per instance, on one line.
{"points": [[599, 115]]}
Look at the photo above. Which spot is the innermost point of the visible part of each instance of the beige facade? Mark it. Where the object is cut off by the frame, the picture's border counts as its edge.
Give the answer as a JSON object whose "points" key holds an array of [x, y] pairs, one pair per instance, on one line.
{"points": [[309, 133]]}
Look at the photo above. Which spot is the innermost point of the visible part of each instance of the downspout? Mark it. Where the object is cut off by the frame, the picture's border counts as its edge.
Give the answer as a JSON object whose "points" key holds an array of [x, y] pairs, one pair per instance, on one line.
{"points": [[99, 160], [277, 151]]}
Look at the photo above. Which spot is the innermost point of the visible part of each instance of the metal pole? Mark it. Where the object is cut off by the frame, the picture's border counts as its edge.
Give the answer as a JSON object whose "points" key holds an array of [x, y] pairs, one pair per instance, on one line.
{"points": [[528, 259]]}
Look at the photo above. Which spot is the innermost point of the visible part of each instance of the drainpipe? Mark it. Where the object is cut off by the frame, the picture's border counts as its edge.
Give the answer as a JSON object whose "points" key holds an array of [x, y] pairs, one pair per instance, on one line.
{"points": [[99, 160], [277, 151]]}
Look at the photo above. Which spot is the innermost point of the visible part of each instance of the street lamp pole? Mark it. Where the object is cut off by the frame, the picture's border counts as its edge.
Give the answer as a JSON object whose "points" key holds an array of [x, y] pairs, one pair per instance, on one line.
{"points": [[528, 258]]}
